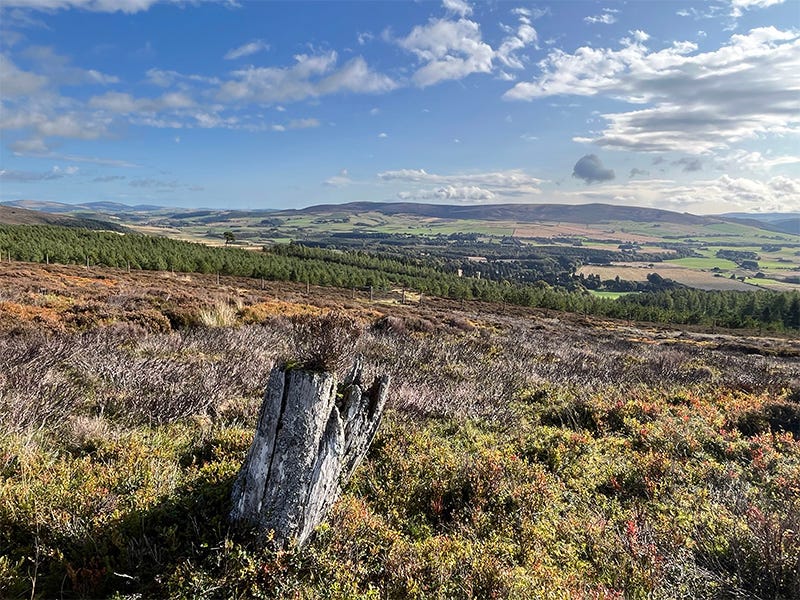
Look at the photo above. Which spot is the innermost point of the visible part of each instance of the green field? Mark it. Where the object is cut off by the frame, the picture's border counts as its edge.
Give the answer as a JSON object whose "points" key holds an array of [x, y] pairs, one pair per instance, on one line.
{"points": [[609, 295], [704, 263]]}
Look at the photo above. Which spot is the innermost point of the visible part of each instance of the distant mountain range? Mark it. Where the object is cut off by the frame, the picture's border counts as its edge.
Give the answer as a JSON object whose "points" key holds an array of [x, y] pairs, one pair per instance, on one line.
{"points": [[567, 213], [93, 207], [782, 222], [584, 213], [12, 215]]}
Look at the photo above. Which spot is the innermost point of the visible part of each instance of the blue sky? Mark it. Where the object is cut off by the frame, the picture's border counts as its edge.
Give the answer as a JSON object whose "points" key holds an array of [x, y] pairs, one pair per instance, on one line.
{"points": [[688, 106]]}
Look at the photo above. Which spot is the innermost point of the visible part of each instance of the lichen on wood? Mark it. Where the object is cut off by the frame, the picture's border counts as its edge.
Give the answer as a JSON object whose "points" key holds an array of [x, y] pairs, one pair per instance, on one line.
{"points": [[311, 435]]}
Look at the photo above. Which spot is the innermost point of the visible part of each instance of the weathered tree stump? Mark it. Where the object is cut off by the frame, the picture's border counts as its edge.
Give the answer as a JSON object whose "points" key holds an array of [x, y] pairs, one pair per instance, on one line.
{"points": [[311, 436]]}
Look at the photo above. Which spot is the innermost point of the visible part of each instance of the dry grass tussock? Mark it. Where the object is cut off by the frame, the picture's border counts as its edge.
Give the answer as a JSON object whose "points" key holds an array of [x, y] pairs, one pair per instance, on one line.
{"points": [[221, 314]]}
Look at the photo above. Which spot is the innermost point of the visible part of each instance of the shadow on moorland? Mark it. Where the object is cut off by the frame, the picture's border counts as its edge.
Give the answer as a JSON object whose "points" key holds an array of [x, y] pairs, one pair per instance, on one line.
{"points": [[134, 555]]}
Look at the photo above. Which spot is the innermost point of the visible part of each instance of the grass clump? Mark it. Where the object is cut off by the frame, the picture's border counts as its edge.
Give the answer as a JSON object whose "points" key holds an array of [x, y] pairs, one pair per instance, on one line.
{"points": [[221, 314]]}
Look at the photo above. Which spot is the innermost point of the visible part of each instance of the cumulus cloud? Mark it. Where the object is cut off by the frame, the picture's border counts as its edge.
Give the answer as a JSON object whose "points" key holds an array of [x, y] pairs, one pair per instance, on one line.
{"points": [[464, 193], [590, 169], [364, 38], [697, 102], [467, 186], [710, 196], [738, 7], [636, 172], [525, 35], [33, 105], [458, 7], [40, 122], [450, 49], [248, 49]]}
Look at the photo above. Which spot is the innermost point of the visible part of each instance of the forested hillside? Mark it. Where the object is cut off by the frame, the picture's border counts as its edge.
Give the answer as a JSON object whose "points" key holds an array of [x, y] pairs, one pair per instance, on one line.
{"points": [[774, 310]]}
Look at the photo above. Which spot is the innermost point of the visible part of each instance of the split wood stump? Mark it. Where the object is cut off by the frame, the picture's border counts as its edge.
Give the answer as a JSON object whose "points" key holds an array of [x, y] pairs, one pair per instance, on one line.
{"points": [[311, 436]]}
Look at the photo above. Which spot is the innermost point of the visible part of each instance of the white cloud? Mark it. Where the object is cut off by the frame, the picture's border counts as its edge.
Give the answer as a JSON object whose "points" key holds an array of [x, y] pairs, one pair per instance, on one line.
{"points": [[524, 36], [531, 13], [246, 50], [162, 78], [606, 17], [296, 124], [28, 176], [59, 70], [303, 123], [383, 135], [740, 5], [340, 180], [311, 76], [755, 3], [755, 161], [117, 102], [31, 146], [513, 183], [709, 196], [448, 50], [109, 6], [698, 101], [32, 103], [39, 121], [16, 82], [458, 7], [467, 193]]}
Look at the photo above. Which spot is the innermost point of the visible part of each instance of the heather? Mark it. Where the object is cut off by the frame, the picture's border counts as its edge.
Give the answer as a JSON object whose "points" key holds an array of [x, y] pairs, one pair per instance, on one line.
{"points": [[522, 455]]}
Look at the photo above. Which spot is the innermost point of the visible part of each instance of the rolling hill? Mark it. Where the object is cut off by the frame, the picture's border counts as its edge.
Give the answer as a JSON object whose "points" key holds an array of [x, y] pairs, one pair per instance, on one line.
{"points": [[11, 215], [93, 207], [584, 213]]}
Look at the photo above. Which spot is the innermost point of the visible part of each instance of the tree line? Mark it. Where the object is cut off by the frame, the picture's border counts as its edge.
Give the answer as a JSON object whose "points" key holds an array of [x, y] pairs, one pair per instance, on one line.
{"points": [[40, 243]]}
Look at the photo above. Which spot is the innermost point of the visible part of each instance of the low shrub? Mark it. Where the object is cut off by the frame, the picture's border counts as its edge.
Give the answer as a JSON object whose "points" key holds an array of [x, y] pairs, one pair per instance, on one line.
{"points": [[325, 343]]}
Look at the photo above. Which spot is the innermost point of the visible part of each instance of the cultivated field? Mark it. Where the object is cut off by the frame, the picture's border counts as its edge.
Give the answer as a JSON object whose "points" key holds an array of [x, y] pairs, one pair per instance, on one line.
{"points": [[698, 278]]}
